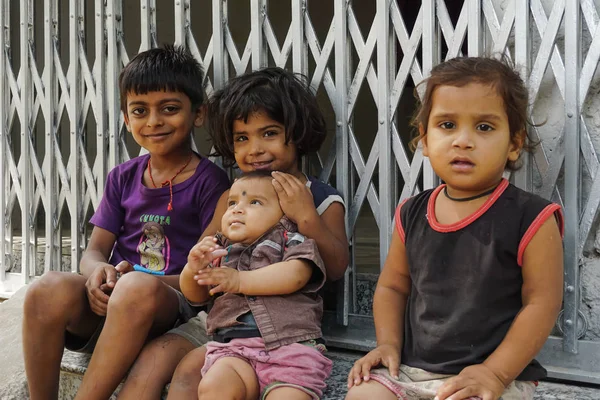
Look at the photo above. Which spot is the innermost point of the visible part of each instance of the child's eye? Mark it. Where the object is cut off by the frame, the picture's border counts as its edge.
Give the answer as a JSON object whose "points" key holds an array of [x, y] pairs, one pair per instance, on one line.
{"points": [[447, 125], [256, 202], [171, 109], [270, 133], [137, 111], [240, 138], [231, 203], [484, 128]]}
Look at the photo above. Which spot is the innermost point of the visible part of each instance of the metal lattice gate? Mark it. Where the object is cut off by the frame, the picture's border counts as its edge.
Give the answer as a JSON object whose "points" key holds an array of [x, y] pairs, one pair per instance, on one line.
{"points": [[62, 130]]}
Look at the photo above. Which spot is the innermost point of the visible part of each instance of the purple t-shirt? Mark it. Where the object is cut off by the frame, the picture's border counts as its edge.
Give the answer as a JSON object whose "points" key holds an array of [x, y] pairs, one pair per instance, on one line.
{"points": [[147, 233]]}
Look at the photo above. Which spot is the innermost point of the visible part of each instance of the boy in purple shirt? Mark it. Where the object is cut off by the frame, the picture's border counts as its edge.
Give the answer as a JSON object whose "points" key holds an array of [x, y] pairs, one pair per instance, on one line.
{"points": [[153, 210]]}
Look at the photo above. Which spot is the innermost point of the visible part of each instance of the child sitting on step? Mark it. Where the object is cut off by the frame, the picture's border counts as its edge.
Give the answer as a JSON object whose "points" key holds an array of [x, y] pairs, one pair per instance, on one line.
{"points": [[472, 283], [153, 210]]}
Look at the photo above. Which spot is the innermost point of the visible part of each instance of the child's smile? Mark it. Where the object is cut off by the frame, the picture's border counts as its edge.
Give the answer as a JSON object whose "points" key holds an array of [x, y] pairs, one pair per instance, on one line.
{"points": [[262, 165], [157, 136]]}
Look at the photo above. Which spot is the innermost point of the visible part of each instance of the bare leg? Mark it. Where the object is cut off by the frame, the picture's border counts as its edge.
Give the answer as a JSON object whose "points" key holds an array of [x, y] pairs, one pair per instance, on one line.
{"points": [[288, 393], [56, 303], [186, 379], [154, 368], [370, 390], [240, 378], [140, 306]]}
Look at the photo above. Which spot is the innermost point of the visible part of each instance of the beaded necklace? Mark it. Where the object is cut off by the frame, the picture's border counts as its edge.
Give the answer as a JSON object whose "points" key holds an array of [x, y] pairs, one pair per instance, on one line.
{"points": [[168, 181]]}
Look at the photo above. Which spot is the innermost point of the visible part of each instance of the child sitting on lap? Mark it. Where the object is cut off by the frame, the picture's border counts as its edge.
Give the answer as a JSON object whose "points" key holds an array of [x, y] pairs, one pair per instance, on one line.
{"points": [[266, 270]]}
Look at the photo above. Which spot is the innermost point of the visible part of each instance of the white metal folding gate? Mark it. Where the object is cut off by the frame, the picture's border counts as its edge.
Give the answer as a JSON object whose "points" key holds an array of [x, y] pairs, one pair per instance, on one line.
{"points": [[51, 117]]}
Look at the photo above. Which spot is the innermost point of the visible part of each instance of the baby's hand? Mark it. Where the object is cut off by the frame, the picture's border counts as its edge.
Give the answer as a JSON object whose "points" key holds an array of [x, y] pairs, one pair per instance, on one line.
{"points": [[385, 354], [295, 198], [475, 381], [224, 279], [203, 253]]}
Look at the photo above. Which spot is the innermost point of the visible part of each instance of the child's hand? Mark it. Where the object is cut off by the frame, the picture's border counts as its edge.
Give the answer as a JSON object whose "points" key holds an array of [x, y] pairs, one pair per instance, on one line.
{"points": [[224, 280], [98, 286], [385, 354], [472, 382], [294, 197], [124, 267], [203, 253]]}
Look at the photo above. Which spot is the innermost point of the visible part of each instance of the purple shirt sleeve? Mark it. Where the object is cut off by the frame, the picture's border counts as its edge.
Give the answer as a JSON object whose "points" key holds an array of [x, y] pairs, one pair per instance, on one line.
{"points": [[109, 215]]}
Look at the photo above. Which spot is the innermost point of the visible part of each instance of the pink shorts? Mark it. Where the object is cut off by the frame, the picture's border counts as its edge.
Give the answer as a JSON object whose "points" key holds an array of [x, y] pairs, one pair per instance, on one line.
{"points": [[299, 365]]}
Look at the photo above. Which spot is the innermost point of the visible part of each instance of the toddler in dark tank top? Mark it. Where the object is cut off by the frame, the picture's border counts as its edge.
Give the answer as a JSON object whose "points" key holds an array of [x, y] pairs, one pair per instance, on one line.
{"points": [[472, 283]]}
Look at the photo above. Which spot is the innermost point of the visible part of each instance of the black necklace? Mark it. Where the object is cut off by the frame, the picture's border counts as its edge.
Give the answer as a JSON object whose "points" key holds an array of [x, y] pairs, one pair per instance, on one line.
{"points": [[468, 198]]}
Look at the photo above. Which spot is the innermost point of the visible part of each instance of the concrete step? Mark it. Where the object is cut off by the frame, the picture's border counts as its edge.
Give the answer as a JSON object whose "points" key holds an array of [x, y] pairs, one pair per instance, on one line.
{"points": [[74, 366], [72, 369]]}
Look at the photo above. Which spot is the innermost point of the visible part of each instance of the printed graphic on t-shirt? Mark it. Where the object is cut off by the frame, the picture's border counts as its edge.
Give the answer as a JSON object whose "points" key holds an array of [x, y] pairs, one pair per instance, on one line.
{"points": [[154, 247], [161, 219]]}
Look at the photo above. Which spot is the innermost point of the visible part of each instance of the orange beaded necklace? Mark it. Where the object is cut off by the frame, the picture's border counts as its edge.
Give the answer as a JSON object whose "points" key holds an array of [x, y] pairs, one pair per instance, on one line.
{"points": [[168, 181]]}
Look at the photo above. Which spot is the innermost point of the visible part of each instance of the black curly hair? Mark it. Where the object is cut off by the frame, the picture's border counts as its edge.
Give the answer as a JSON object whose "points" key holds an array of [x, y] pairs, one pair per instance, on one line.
{"points": [[283, 96]]}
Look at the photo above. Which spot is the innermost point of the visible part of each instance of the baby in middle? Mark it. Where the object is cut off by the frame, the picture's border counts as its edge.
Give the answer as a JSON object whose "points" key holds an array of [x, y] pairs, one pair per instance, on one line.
{"points": [[266, 325]]}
